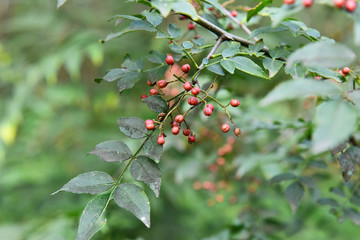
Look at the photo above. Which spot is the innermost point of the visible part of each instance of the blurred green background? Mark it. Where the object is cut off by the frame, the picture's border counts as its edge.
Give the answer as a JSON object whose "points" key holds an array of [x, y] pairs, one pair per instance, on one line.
{"points": [[52, 113]]}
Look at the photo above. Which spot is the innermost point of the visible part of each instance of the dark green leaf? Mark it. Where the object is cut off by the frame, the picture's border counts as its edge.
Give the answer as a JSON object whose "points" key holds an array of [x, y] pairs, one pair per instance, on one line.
{"points": [[174, 31], [152, 149], [112, 151], [334, 121], [252, 12], [347, 166], [328, 201], [300, 88], [317, 164], [246, 65], [338, 191], [355, 200], [322, 54], [156, 57], [142, 25], [115, 74], [157, 72], [91, 182], [135, 66], [153, 18], [308, 181], [156, 103], [228, 65], [353, 215], [92, 218], [132, 198], [273, 66], [128, 80], [216, 68], [282, 177], [132, 127], [294, 193], [354, 154], [145, 170]]}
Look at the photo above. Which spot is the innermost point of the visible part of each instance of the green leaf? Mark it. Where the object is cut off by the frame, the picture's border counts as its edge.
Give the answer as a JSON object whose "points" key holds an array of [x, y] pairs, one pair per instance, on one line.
{"points": [[282, 177], [145, 170], [112, 151], [322, 54], [128, 80], [186, 8], [300, 88], [293, 194], [156, 103], [334, 122], [132, 127], [216, 68], [142, 25], [353, 215], [252, 12], [153, 18], [187, 45], [246, 65], [156, 73], [296, 71], [328, 201], [273, 66], [354, 96], [217, 5], [132, 198], [278, 14], [164, 6], [92, 218], [307, 181], [318, 164], [347, 166], [228, 65], [267, 30], [60, 3], [152, 149], [230, 51], [156, 57], [91, 182], [115, 74], [174, 31], [327, 73], [128, 17]]}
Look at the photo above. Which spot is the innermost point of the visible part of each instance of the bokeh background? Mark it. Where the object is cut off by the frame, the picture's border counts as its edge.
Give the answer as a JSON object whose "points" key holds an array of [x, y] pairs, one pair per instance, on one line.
{"points": [[52, 113]]}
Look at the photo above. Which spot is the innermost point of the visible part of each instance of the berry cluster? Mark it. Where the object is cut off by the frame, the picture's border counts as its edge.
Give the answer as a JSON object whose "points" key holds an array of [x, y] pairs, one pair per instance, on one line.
{"points": [[349, 5], [195, 95]]}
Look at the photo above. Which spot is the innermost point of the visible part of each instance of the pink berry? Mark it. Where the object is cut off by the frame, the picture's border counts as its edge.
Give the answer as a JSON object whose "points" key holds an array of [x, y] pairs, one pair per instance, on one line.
{"points": [[234, 13], [143, 96], [191, 26], [225, 127], [149, 124], [150, 84], [185, 68], [191, 138], [234, 102], [162, 83], [195, 91], [350, 5], [289, 2], [237, 132], [186, 132], [339, 3], [207, 111], [210, 106], [161, 139], [179, 118], [345, 70], [153, 92], [193, 101], [187, 86], [169, 60], [307, 3], [175, 130]]}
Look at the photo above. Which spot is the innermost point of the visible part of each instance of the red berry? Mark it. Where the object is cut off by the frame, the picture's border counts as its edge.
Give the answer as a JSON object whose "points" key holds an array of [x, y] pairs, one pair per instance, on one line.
{"points": [[191, 138], [143, 96], [207, 111], [170, 42], [341, 73], [345, 70], [175, 130], [162, 83], [237, 132], [150, 84], [191, 26], [187, 86], [185, 68], [153, 92], [210, 106], [149, 124], [169, 60], [339, 3], [179, 118], [197, 36], [173, 124], [234, 13], [234, 102], [350, 5], [193, 101], [183, 17], [195, 91], [225, 127], [288, 2], [211, 9], [186, 132], [307, 3], [161, 139]]}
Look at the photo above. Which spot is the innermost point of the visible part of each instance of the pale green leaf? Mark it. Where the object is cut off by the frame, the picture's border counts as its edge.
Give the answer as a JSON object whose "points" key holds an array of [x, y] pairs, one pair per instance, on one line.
{"points": [[293, 194], [246, 65], [112, 151]]}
